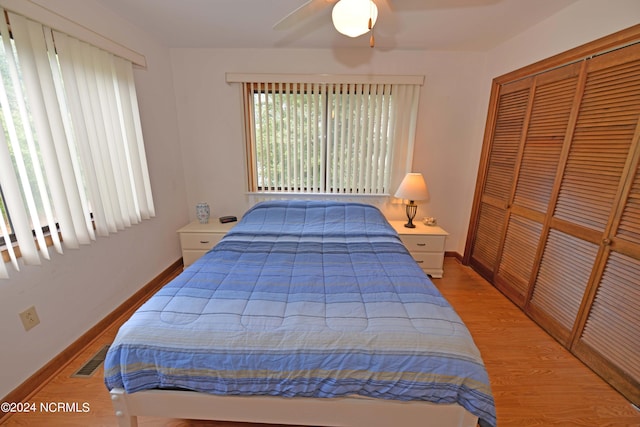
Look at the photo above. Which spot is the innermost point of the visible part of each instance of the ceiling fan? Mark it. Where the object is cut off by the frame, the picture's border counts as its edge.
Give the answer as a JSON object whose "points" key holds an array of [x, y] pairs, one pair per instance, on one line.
{"points": [[352, 18]]}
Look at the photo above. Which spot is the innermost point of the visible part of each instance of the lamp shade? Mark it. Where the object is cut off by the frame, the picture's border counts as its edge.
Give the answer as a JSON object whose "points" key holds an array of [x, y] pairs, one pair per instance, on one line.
{"points": [[351, 17], [413, 188]]}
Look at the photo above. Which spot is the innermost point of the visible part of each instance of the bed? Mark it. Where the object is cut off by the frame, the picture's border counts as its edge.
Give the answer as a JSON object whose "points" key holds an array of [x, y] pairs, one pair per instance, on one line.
{"points": [[306, 312]]}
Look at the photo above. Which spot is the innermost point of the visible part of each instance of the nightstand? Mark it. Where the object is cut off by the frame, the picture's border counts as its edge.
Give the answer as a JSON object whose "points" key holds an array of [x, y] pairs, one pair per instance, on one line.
{"points": [[425, 244], [197, 239]]}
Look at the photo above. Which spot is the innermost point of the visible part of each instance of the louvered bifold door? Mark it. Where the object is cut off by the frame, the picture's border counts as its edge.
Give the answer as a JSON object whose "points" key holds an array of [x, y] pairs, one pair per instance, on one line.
{"points": [[609, 339], [505, 143], [546, 130], [556, 218], [608, 336], [594, 179]]}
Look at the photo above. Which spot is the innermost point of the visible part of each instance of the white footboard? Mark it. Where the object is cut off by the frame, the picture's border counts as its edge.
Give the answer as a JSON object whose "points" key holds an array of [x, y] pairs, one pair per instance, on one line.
{"points": [[338, 412]]}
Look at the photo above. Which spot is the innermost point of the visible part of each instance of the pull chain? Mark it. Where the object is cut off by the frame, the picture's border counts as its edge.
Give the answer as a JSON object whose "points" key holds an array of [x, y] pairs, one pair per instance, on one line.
{"points": [[372, 40]]}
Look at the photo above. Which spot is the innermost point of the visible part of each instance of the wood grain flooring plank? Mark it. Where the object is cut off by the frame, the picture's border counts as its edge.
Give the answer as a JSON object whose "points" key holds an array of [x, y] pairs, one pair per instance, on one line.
{"points": [[535, 381]]}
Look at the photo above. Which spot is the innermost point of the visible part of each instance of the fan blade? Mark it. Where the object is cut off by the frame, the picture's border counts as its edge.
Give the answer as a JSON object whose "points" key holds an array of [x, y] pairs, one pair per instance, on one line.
{"points": [[300, 14]]}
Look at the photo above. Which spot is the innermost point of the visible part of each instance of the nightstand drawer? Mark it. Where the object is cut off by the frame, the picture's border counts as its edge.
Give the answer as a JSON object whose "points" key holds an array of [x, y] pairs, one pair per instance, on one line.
{"points": [[199, 241], [190, 256], [423, 243], [428, 260]]}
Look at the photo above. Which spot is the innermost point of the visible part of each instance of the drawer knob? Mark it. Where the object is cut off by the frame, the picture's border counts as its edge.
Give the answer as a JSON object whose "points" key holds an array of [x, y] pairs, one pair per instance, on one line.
{"points": [[421, 244], [204, 241], [419, 261]]}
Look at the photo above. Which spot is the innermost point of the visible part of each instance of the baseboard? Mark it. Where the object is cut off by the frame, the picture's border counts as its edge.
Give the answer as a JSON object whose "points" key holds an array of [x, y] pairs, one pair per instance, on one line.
{"points": [[453, 255], [32, 384]]}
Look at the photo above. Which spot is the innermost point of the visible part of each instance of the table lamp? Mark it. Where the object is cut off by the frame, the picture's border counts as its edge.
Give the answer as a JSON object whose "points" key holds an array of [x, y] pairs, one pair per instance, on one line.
{"points": [[412, 188]]}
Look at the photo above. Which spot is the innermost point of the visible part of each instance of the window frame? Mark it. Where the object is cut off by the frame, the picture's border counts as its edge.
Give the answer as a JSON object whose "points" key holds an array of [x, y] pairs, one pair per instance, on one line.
{"points": [[261, 81], [46, 97]]}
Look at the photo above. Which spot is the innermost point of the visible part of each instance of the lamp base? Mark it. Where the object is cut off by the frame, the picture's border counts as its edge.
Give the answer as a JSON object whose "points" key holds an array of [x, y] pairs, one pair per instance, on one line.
{"points": [[411, 210]]}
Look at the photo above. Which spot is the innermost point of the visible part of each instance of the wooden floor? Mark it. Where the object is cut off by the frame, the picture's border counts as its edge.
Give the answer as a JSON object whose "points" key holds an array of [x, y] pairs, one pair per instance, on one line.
{"points": [[534, 380]]}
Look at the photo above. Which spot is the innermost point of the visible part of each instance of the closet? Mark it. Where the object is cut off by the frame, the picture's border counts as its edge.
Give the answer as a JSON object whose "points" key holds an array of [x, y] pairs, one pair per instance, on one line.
{"points": [[556, 218]]}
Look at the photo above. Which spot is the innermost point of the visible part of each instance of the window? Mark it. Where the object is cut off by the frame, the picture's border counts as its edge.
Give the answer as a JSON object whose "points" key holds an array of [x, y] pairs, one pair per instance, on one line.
{"points": [[5, 224], [72, 161], [340, 137]]}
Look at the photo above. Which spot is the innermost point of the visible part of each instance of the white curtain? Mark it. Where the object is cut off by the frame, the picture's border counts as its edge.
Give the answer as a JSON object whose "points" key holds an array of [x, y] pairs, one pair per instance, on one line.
{"points": [[330, 137], [74, 158], [405, 107]]}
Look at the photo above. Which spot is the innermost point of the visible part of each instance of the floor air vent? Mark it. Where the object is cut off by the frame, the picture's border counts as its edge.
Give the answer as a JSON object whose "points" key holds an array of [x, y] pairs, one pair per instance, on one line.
{"points": [[92, 364]]}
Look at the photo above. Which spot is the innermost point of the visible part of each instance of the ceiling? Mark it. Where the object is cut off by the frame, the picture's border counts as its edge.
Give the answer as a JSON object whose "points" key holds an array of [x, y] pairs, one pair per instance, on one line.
{"points": [[402, 24]]}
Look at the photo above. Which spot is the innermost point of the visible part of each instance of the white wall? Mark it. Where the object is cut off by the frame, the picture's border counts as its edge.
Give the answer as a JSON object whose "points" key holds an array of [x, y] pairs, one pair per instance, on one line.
{"points": [[452, 113], [195, 153], [210, 118], [580, 23], [75, 290]]}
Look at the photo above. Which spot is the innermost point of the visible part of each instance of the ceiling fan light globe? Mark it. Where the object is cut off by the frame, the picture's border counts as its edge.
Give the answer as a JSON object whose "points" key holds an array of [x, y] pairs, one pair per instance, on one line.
{"points": [[351, 17]]}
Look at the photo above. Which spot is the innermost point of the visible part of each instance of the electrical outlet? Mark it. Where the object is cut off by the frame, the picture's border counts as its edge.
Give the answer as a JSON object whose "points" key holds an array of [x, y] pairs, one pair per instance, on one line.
{"points": [[29, 318]]}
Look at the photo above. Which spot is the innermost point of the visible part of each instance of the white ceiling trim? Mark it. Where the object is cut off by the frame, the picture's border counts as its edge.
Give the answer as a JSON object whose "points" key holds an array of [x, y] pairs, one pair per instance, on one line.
{"points": [[325, 78], [58, 22]]}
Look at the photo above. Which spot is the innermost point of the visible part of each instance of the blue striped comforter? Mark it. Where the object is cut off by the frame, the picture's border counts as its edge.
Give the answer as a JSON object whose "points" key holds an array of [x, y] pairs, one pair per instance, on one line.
{"points": [[313, 299]]}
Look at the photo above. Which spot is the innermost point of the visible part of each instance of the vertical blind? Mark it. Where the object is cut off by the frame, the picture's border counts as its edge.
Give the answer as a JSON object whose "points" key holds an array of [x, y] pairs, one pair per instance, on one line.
{"points": [[72, 158], [329, 137]]}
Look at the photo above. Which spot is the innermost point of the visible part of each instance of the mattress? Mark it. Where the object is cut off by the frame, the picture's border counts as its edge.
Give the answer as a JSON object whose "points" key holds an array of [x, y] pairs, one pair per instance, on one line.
{"points": [[310, 299]]}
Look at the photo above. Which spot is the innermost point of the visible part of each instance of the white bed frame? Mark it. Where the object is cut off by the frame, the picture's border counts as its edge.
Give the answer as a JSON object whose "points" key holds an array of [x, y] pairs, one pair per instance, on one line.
{"points": [[337, 412]]}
